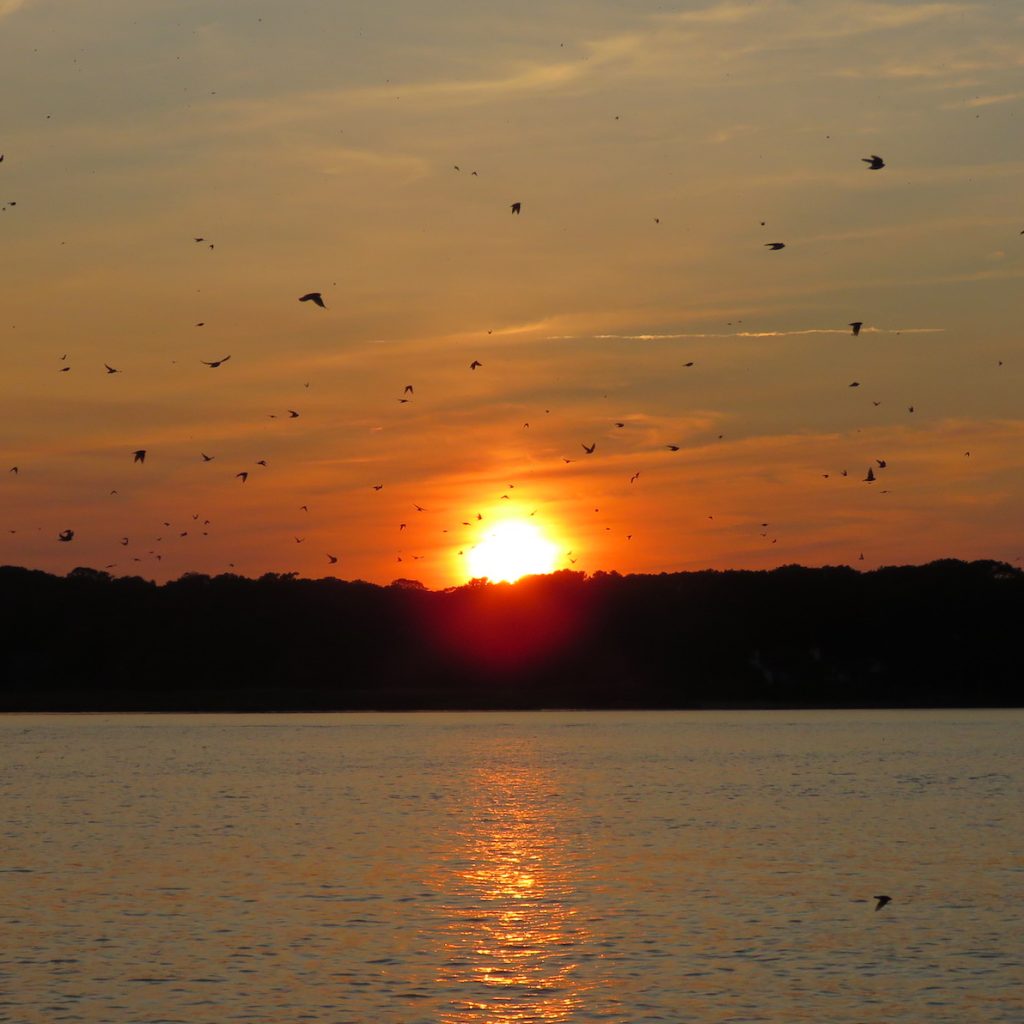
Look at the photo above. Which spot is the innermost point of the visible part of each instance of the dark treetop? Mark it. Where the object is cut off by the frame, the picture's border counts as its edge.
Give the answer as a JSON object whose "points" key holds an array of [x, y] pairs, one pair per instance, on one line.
{"points": [[941, 634]]}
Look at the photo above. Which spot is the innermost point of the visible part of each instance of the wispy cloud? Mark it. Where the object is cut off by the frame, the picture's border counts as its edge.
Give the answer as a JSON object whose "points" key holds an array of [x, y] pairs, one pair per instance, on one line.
{"points": [[745, 334], [984, 101]]}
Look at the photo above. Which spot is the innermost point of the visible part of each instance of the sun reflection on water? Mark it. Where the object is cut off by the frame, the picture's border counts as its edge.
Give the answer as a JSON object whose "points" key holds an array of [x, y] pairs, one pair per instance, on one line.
{"points": [[513, 942]]}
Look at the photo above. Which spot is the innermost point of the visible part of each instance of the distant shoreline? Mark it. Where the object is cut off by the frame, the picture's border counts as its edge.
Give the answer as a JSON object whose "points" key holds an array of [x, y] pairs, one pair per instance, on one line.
{"points": [[937, 636], [296, 712]]}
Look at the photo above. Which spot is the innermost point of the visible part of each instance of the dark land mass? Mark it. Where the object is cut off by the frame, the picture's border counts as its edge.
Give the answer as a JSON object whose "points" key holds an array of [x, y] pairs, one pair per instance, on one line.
{"points": [[943, 634]]}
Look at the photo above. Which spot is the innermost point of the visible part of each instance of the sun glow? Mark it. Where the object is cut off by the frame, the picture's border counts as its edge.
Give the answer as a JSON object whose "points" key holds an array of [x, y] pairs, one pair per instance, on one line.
{"points": [[512, 549]]}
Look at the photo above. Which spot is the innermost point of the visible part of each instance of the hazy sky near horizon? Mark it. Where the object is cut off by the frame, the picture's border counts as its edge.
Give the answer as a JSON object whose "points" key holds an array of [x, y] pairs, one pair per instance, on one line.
{"points": [[655, 149]]}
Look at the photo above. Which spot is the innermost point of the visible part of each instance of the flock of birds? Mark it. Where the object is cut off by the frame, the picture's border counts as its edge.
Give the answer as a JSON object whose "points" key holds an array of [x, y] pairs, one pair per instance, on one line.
{"points": [[316, 299]]}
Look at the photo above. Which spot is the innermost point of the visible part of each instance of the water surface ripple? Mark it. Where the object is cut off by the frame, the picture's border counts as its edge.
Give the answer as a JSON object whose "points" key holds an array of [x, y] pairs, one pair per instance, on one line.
{"points": [[513, 868]]}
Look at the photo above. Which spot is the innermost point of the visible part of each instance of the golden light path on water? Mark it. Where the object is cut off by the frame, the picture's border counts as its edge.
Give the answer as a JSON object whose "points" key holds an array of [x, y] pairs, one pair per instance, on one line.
{"points": [[513, 937]]}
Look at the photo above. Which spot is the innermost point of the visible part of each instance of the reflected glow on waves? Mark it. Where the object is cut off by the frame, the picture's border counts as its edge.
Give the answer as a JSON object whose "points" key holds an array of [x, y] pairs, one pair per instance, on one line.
{"points": [[512, 931]]}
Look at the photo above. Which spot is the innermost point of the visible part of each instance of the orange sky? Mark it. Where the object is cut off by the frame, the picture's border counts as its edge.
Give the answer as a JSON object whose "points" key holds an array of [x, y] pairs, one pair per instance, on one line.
{"points": [[314, 145]]}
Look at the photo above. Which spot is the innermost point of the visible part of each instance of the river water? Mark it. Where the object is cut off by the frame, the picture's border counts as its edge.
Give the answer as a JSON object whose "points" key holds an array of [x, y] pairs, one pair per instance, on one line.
{"points": [[498, 868]]}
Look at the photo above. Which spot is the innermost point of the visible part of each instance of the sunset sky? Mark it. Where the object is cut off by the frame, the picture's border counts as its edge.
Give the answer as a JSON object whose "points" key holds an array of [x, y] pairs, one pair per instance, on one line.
{"points": [[655, 149]]}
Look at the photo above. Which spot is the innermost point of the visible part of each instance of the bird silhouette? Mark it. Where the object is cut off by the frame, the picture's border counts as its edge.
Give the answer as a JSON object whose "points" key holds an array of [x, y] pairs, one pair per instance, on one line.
{"points": [[672, 447], [775, 245], [589, 449], [213, 364], [292, 414], [332, 559], [111, 369], [315, 297], [854, 384], [244, 476], [139, 456], [408, 389], [881, 463], [874, 162], [14, 470], [856, 325], [207, 458], [65, 535], [882, 900], [476, 362], [870, 478], [516, 207]]}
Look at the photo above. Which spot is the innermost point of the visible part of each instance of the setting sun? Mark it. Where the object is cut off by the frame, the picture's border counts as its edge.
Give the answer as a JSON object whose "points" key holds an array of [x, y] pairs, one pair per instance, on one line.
{"points": [[510, 550]]}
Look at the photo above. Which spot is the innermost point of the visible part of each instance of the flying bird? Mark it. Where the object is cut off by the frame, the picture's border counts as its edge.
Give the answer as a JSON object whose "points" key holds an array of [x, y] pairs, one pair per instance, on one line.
{"points": [[672, 447], [854, 384], [408, 389], [332, 559], [882, 900], [243, 475], [215, 363], [870, 478], [516, 207], [14, 470], [292, 414], [589, 449], [775, 245], [856, 325], [65, 535], [313, 297], [139, 456], [207, 458], [881, 463], [874, 162], [111, 369], [476, 362]]}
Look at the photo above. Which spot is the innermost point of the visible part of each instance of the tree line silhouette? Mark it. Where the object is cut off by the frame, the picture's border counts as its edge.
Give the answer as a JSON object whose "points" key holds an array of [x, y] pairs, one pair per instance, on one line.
{"points": [[942, 634]]}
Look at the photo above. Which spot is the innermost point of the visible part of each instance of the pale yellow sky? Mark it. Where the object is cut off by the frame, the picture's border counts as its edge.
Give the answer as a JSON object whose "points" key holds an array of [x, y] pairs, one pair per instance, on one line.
{"points": [[655, 149]]}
